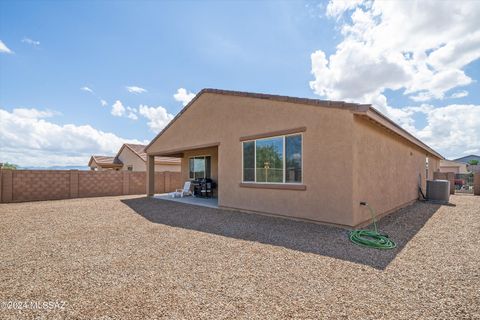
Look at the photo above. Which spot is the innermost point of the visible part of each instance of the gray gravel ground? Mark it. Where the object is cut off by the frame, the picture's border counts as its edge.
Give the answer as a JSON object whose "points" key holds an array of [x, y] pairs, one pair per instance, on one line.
{"points": [[138, 258]]}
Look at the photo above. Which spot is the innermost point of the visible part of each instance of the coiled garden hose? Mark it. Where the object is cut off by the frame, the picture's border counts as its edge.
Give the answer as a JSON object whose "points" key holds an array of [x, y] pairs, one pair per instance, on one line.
{"points": [[371, 238]]}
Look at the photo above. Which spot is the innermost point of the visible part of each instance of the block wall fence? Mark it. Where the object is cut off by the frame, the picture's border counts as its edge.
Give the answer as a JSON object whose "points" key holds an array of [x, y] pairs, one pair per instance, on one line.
{"points": [[34, 185], [450, 176]]}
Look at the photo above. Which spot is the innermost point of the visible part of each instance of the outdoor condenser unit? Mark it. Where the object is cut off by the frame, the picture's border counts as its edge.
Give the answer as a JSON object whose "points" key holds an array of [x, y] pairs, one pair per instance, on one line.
{"points": [[438, 190]]}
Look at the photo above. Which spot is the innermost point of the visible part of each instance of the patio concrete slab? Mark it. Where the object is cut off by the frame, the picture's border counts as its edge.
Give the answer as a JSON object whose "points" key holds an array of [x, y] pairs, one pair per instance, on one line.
{"points": [[196, 201]]}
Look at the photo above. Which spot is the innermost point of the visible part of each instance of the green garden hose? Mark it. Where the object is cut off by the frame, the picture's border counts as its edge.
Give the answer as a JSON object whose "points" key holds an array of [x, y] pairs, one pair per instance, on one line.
{"points": [[371, 238]]}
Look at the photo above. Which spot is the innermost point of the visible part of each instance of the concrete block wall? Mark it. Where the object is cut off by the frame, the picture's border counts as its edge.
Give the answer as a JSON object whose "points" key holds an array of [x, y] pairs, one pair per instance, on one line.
{"points": [[476, 184], [450, 176], [33, 185]]}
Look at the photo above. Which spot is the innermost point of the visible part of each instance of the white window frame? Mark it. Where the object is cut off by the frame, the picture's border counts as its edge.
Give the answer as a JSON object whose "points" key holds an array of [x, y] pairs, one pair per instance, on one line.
{"points": [[200, 156], [284, 162]]}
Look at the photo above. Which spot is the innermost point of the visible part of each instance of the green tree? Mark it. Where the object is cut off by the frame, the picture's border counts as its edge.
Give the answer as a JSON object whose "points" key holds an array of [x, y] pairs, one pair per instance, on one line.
{"points": [[10, 166], [473, 162]]}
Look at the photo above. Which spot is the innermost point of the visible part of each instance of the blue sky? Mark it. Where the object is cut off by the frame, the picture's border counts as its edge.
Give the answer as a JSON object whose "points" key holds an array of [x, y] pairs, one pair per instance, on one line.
{"points": [[262, 46]]}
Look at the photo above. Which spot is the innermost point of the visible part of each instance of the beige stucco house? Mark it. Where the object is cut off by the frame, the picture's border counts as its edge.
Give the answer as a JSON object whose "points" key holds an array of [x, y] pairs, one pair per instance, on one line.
{"points": [[132, 157], [300, 158], [452, 166]]}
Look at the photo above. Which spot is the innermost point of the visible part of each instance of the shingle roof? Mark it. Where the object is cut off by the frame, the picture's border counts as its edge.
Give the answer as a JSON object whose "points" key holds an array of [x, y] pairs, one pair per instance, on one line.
{"points": [[139, 149], [106, 161]]}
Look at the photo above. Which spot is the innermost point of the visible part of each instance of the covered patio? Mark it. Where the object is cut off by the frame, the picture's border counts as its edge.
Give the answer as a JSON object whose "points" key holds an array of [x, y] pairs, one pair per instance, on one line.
{"points": [[199, 166]]}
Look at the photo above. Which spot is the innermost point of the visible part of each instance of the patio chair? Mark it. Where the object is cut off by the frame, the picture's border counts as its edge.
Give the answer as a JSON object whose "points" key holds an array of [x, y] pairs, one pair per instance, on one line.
{"points": [[182, 192]]}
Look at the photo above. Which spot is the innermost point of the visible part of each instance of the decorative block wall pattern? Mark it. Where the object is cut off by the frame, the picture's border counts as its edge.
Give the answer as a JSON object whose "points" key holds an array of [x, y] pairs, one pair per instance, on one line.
{"points": [[32, 185], [100, 183]]}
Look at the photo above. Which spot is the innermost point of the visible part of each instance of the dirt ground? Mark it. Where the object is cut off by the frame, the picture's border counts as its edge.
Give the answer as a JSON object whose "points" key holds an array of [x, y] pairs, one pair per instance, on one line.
{"points": [[141, 258]]}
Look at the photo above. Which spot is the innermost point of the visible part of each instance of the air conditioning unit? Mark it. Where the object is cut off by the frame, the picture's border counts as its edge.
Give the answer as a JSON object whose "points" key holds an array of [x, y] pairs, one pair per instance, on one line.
{"points": [[438, 190]]}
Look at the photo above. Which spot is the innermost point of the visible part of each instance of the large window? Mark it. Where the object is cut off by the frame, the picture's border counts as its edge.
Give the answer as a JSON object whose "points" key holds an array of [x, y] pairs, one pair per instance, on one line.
{"points": [[199, 167], [273, 160]]}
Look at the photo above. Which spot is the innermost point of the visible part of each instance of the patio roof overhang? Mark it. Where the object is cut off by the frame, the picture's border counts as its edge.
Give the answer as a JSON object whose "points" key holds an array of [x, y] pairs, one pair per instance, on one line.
{"points": [[179, 152]]}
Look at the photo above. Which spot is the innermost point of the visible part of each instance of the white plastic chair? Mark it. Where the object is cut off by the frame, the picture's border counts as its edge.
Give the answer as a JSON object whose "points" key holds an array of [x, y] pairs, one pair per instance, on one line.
{"points": [[183, 192]]}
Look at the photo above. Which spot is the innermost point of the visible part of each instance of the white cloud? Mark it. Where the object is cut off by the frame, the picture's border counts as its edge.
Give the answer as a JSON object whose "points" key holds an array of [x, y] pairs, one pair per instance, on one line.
{"points": [[449, 130], [136, 90], [31, 42], [4, 48], [459, 94], [183, 96], [337, 8], [418, 46], [104, 103], [86, 89], [118, 110], [132, 116], [28, 139], [158, 116]]}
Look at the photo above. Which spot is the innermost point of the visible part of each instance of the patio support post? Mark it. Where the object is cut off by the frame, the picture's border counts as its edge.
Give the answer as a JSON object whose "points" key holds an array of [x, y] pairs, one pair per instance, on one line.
{"points": [[150, 175]]}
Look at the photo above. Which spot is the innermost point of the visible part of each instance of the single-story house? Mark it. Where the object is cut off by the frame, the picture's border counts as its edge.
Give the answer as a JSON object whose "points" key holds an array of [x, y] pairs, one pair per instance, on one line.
{"points": [[101, 163], [132, 157], [299, 158], [453, 166]]}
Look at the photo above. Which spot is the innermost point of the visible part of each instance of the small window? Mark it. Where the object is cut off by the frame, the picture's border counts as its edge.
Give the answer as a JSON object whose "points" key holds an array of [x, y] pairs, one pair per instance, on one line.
{"points": [[199, 167], [130, 168]]}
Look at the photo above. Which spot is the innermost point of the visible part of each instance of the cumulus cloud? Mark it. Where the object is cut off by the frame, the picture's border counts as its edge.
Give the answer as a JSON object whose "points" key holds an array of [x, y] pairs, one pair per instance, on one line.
{"points": [[158, 117], [4, 48], [135, 89], [449, 129], [425, 57], [31, 42], [27, 138], [118, 110], [104, 103], [183, 96]]}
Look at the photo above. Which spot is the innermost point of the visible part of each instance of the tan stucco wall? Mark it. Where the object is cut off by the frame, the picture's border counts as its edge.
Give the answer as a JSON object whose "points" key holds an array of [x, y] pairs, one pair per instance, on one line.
{"points": [[128, 157], [327, 153], [452, 166], [386, 170]]}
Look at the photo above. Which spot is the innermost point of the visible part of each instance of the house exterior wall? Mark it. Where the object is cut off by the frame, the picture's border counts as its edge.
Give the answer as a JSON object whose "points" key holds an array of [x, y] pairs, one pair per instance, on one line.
{"points": [[129, 158], [346, 159], [327, 153], [452, 166], [386, 170]]}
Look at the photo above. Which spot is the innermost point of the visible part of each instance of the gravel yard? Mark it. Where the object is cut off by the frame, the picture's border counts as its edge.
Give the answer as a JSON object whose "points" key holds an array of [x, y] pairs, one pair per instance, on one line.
{"points": [[139, 258]]}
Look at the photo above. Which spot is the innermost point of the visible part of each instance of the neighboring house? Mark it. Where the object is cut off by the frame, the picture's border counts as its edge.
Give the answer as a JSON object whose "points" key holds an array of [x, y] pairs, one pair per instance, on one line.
{"points": [[132, 157], [453, 166], [101, 163], [301, 158]]}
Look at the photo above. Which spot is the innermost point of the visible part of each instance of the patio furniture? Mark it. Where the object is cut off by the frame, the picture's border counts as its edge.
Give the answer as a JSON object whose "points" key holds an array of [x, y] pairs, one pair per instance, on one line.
{"points": [[182, 192], [203, 187]]}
